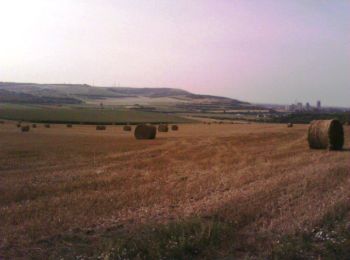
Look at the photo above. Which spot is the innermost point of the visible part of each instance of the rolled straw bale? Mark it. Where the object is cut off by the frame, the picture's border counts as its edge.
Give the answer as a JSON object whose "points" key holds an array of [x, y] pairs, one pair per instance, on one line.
{"points": [[145, 132], [174, 127], [326, 134], [127, 128], [290, 125], [25, 128], [163, 128], [100, 127]]}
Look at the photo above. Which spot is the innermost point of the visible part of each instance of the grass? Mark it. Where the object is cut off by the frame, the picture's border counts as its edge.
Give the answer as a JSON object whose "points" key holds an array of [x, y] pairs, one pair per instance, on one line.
{"points": [[330, 239], [181, 239], [88, 115], [205, 191]]}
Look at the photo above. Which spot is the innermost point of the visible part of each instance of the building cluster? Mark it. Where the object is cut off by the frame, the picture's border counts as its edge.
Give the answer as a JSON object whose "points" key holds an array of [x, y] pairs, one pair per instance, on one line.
{"points": [[300, 107]]}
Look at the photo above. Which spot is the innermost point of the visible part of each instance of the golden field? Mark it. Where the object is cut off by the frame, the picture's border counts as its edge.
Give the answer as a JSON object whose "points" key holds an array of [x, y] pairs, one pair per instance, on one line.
{"points": [[234, 190]]}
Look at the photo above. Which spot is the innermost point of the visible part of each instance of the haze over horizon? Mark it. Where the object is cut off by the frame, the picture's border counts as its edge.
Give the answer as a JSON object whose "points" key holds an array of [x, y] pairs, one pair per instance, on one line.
{"points": [[258, 51]]}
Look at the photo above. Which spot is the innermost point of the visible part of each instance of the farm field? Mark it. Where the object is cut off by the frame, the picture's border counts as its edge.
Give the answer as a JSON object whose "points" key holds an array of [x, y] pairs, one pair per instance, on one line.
{"points": [[64, 114], [205, 191]]}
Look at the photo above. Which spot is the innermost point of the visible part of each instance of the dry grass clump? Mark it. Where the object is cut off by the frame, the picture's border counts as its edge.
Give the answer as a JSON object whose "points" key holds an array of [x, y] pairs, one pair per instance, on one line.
{"points": [[100, 127], [174, 127], [25, 128], [290, 125], [127, 128], [326, 134], [145, 132], [163, 128]]}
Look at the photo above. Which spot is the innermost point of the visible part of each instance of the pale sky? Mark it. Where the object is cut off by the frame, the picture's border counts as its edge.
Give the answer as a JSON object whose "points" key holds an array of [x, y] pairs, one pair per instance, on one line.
{"points": [[257, 50]]}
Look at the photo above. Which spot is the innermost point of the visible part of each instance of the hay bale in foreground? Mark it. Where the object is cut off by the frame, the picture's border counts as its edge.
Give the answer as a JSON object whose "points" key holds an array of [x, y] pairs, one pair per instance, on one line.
{"points": [[69, 126], [326, 134], [145, 132], [47, 125], [163, 128], [127, 128], [100, 127], [25, 128], [174, 127], [290, 125]]}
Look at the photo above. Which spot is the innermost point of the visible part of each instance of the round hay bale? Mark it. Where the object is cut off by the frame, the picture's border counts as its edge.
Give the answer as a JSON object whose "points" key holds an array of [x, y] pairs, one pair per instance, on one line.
{"points": [[163, 128], [69, 126], [33, 125], [145, 132], [2, 122], [100, 127], [326, 134], [127, 128], [18, 125], [290, 125], [174, 127], [47, 125], [25, 128]]}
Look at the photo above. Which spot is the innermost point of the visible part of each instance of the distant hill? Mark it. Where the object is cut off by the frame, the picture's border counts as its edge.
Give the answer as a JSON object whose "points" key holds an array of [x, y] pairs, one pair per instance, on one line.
{"points": [[178, 99]]}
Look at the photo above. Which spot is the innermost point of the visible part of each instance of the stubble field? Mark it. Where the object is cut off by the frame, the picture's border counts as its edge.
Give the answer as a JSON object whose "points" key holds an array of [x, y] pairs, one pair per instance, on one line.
{"points": [[205, 191]]}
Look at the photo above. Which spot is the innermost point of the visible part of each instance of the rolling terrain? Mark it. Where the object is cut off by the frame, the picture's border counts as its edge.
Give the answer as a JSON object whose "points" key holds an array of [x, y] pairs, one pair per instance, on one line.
{"points": [[155, 99], [205, 191]]}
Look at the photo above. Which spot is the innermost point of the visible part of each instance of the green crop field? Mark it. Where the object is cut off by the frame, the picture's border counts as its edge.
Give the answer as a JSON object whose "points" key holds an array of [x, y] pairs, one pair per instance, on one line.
{"points": [[88, 115]]}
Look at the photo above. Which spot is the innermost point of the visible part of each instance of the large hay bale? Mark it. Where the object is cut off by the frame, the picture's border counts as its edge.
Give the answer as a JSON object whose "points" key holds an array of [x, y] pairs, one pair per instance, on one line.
{"points": [[25, 128], [290, 125], [69, 126], [174, 127], [145, 132], [100, 127], [127, 128], [163, 128], [326, 134], [47, 125]]}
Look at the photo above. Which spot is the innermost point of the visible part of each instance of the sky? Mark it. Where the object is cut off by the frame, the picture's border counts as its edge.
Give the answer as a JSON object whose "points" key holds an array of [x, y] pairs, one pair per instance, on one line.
{"points": [[258, 51]]}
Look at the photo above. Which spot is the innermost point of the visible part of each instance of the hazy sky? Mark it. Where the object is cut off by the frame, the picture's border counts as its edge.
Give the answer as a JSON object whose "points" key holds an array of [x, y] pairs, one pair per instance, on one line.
{"points": [[259, 51]]}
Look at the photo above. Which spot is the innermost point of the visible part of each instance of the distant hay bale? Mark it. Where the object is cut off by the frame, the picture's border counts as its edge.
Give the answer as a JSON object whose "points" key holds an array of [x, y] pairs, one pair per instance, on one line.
{"points": [[69, 126], [326, 134], [47, 125], [163, 128], [18, 125], [33, 125], [145, 132], [25, 128], [127, 128], [2, 122], [290, 125], [174, 127], [100, 127]]}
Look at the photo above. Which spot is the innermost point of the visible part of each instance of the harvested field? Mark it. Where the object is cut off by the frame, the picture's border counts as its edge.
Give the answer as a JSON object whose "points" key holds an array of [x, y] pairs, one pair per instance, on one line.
{"points": [[237, 189]]}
